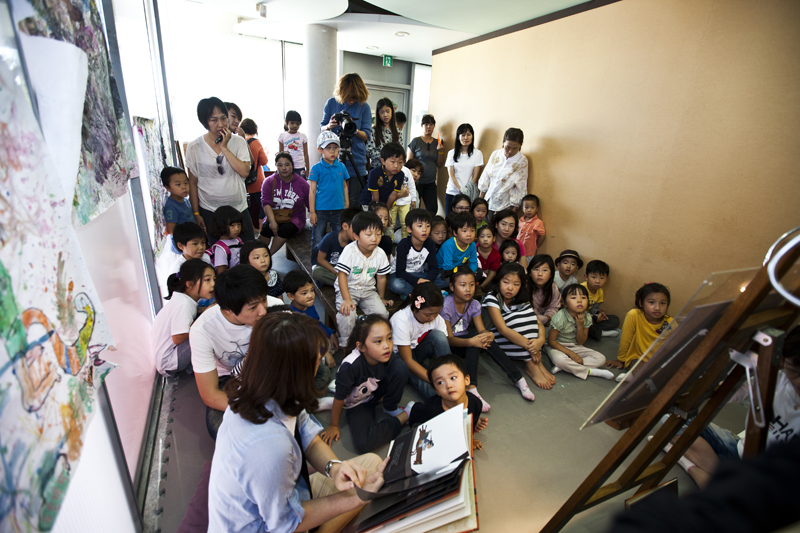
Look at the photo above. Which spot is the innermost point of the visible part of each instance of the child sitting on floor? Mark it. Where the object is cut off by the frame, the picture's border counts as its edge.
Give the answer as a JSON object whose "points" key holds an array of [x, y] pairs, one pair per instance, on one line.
{"points": [[415, 258], [300, 291], [256, 254], [387, 242], [332, 245], [643, 325], [370, 373], [603, 325], [194, 281], [438, 231], [488, 257], [190, 239], [567, 264], [419, 334], [467, 335], [569, 330], [460, 249], [509, 251], [507, 307], [363, 268], [545, 295], [480, 208], [225, 252], [449, 377]]}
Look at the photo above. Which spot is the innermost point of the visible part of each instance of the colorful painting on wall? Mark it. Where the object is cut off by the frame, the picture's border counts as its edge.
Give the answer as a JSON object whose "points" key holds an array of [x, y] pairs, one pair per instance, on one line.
{"points": [[154, 159], [107, 153], [52, 326]]}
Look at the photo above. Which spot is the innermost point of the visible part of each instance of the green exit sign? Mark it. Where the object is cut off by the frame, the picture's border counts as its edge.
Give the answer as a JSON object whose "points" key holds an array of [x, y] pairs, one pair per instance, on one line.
{"points": [[387, 61]]}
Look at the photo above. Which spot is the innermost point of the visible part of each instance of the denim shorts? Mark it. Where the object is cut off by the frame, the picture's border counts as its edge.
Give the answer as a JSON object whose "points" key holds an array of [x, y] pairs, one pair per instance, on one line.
{"points": [[722, 441]]}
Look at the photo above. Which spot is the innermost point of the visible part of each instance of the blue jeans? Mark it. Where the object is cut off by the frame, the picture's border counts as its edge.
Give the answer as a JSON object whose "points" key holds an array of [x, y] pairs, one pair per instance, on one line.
{"points": [[214, 417], [433, 345], [722, 441], [325, 217], [400, 286]]}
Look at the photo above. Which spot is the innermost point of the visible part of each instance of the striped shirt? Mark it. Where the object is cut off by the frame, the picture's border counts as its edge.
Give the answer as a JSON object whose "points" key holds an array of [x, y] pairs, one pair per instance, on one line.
{"points": [[521, 318], [360, 269]]}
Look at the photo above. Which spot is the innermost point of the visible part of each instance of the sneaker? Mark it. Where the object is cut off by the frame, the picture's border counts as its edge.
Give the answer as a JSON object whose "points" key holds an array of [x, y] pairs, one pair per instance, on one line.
{"points": [[611, 333], [620, 378], [325, 404], [332, 386]]}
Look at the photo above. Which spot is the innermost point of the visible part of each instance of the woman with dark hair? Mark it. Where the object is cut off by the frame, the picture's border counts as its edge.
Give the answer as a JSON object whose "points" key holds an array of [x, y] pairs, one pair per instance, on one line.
{"points": [[234, 118], [351, 95], [385, 131], [284, 196], [464, 164], [259, 155], [259, 476], [423, 148], [217, 163], [505, 179]]}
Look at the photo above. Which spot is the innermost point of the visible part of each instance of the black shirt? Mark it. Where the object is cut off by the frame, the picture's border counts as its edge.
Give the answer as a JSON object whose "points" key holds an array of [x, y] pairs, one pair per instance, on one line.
{"points": [[424, 411]]}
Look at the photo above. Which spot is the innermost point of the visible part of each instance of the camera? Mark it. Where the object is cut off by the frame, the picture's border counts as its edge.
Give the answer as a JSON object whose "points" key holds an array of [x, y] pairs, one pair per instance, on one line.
{"points": [[344, 119]]}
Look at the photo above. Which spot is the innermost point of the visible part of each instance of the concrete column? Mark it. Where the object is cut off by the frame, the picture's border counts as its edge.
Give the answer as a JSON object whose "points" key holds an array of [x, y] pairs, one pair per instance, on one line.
{"points": [[320, 48]]}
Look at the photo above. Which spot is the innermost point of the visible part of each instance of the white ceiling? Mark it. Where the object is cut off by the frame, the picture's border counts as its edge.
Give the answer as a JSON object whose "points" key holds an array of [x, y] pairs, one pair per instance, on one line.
{"points": [[431, 24]]}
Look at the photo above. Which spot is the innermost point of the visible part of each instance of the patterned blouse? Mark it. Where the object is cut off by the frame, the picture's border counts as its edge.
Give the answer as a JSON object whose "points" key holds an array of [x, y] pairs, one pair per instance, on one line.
{"points": [[374, 152], [504, 180]]}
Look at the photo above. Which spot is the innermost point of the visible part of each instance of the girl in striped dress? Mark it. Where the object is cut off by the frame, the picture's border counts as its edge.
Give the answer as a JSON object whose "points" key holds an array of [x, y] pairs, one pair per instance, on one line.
{"points": [[508, 308]]}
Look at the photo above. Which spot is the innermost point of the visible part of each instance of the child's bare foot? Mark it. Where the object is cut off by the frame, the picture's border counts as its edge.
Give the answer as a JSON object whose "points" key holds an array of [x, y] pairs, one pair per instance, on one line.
{"points": [[535, 373], [550, 377]]}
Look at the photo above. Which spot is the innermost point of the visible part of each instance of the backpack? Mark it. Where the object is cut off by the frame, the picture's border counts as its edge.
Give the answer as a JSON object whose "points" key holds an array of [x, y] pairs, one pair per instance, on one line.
{"points": [[227, 251]]}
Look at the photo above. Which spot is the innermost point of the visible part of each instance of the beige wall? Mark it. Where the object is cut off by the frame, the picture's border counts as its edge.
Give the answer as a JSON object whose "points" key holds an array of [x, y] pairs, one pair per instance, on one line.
{"points": [[663, 135]]}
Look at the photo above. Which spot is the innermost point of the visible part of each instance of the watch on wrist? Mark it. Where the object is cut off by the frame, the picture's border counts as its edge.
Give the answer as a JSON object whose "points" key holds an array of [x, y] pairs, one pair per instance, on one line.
{"points": [[329, 466]]}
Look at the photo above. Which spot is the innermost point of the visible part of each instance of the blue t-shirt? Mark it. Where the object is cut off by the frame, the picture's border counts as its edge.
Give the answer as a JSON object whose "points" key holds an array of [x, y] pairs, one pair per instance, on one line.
{"points": [[176, 212], [330, 185], [362, 117], [331, 248], [450, 256], [380, 181], [312, 312]]}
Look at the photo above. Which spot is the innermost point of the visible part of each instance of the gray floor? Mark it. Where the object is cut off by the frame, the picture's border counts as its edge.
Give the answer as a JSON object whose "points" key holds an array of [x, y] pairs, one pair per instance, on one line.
{"points": [[534, 455]]}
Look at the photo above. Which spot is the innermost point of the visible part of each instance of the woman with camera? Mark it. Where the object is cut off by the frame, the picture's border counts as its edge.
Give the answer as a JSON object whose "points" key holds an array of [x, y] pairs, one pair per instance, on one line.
{"points": [[349, 103], [218, 163]]}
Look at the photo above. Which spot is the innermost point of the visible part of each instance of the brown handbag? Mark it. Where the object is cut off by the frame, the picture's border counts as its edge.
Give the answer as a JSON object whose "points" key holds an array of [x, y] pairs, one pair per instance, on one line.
{"points": [[282, 216]]}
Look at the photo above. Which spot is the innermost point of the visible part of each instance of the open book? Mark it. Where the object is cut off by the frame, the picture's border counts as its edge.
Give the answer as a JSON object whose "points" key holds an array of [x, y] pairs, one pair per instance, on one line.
{"points": [[430, 481]]}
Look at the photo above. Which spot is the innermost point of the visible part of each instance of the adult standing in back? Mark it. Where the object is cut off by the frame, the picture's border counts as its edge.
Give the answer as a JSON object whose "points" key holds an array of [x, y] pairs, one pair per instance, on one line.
{"points": [[426, 149], [505, 179], [350, 95], [217, 170]]}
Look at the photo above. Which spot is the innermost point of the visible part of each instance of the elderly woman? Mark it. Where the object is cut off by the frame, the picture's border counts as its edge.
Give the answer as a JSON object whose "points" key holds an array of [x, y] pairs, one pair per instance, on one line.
{"points": [[259, 476], [217, 164], [351, 95], [505, 179]]}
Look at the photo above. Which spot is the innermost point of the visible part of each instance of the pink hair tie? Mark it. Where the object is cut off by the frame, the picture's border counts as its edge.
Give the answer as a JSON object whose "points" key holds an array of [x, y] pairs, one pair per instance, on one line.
{"points": [[419, 301]]}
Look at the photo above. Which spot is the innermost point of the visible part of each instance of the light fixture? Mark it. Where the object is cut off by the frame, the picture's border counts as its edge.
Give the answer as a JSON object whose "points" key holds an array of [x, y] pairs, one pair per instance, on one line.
{"points": [[402, 33], [372, 47]]}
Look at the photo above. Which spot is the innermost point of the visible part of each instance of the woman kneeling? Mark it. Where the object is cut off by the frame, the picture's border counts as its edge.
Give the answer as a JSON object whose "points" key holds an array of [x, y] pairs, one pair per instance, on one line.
{"points": [[268, 406]]}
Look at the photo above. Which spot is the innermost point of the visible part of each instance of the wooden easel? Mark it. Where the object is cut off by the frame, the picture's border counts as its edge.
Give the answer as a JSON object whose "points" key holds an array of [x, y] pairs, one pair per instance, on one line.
{"points": [[642, 472]]}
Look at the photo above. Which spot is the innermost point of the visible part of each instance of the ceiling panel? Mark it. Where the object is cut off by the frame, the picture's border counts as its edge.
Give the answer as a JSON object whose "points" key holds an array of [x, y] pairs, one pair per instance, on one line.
{"points": [[303, 11], [474, 16]]}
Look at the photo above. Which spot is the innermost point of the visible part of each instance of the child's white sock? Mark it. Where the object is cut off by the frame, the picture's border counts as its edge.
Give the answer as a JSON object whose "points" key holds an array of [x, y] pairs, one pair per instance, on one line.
{"points": [[601, 373], [485, 405], [685, 463], [325, 404], [408, 407], [621, 377], [555, 370], [522, 385], [611, 333], [395, 412], [332, 384]]}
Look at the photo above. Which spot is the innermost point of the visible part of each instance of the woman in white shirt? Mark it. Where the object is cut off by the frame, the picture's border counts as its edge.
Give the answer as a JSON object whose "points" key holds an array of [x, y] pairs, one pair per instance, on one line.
{"points": [[505, 179], [217, 164], [464, 163]]}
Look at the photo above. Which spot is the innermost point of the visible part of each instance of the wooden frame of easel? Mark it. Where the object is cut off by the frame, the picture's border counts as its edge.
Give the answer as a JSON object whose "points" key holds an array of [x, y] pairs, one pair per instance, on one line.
{"points": [[642, 472]]}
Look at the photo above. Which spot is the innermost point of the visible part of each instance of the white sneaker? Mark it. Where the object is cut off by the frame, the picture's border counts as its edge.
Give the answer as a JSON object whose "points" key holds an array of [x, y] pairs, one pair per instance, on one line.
{"points": [[611, 333], [621, 377], [332, 386], [325, 404]]}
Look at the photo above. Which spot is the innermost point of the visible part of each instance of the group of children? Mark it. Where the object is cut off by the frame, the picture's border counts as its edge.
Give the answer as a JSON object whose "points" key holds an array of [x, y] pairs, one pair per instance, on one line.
{"points": [[469, 283]]}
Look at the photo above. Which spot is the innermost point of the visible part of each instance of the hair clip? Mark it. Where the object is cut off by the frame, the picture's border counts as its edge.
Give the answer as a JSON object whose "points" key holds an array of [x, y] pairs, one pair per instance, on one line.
{"points": [[178, 275], [455, 270], [419, 301], [361, 318]]}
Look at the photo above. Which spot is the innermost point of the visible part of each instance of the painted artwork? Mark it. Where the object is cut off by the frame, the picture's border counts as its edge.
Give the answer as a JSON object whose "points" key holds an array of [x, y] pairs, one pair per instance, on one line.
{"points": [[155, 159], [52, 327], [107, 154]]}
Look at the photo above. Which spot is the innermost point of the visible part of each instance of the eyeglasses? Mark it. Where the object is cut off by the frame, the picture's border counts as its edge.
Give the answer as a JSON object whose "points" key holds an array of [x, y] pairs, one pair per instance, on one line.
{"points": [[221, 170]]}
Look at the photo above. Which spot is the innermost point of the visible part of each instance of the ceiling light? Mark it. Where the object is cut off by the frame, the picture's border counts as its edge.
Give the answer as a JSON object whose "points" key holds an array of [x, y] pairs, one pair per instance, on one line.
{"points": [[372, 47], [402, 33]]}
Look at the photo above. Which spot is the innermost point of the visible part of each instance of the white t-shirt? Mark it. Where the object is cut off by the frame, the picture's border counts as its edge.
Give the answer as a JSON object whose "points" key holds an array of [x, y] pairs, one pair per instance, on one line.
{"points": [[175, 318], [407, 331], [785, 423], [293, 143], [217, 343], [176, 266], [412, 189], [221, 256], [214, 189], [463, 168], [360, 269]]}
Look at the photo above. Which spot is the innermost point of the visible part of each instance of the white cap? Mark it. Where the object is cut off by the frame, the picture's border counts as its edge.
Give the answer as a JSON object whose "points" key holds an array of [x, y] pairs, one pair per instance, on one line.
{"points": [[327, 137]]}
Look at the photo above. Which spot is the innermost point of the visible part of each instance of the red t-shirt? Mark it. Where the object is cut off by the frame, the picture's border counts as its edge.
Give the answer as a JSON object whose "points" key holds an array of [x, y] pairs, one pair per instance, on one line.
{"points": [[490, 263]]}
